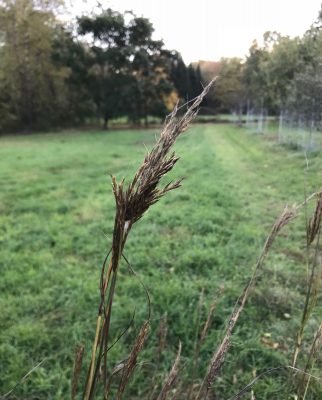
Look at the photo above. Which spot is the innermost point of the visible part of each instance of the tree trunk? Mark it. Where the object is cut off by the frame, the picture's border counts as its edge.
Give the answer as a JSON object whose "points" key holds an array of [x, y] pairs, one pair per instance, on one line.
{"points": [[240, 116], [105, 125], [145, 113]]}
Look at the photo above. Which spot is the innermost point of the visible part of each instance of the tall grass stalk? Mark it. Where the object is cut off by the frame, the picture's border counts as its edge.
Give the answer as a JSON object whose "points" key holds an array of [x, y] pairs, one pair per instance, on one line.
{"points": [[201, 336], [314, 268], [218, 357], [170, 380], [313, 233], [131, 203]]}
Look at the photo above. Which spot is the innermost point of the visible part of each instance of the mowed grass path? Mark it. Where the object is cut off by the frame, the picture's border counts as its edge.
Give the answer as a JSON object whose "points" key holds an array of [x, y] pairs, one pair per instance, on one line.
{"points": [[56, 218]]}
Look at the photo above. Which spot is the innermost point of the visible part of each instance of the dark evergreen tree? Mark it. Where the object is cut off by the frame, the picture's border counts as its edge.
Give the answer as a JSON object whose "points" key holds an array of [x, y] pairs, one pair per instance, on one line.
{"points": [[179, 74], [193, 83]]}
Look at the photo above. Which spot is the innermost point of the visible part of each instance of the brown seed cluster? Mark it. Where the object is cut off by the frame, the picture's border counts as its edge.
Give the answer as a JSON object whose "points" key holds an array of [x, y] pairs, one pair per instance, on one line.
{"points": [[143, 191], [315, 221]]}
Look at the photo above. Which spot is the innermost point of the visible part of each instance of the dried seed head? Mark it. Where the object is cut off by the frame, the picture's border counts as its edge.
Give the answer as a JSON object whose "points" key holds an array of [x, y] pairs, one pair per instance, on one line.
{"points": [[218, 360], [162, 335], [132, 360], [315, 221], [286, 216], [143, 191], [171, 377], [210, 315], [77, 368]]}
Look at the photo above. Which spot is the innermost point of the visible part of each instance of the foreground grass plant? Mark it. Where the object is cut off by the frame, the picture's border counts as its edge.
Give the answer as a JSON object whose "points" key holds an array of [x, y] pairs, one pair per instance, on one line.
{"points": [[131, 203]]}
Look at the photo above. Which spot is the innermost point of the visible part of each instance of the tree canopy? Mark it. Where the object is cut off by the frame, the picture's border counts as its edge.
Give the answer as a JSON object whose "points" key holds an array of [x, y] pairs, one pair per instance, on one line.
{"points": [[108, 66], [282, 73]]}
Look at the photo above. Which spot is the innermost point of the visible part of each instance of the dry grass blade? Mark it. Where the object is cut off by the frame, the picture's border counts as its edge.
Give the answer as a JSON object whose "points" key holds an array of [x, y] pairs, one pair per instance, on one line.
{"points": [[77, 369], [315, 349], [23, 379], [314, 282], [132, 360], [248, 387], [171, 377], [314, 353], [315, 221], [211, 312], [162, 335], [219, 356], [201, 339]]}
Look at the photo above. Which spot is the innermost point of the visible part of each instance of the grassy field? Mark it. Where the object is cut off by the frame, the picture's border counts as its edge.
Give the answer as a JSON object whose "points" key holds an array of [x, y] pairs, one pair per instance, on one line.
{"points": [[56, 217]]}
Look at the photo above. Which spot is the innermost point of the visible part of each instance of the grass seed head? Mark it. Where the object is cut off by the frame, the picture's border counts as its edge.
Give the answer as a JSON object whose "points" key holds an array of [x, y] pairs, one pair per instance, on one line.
{"points": [[143, 191], [315, 221], [171, 377], [132, 360]]}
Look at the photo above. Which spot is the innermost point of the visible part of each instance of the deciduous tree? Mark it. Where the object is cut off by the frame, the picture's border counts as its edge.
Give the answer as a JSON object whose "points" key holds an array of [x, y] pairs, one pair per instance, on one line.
{"points": [[34, 87]]}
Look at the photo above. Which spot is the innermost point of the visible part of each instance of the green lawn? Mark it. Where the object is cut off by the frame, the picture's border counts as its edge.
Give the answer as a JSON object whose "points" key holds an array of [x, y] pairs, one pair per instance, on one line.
{"points": [[56, 217]]}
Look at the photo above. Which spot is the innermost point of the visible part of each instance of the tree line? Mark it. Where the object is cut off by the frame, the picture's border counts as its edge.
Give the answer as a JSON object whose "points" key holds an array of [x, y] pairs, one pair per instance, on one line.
{"points": [[106, 66], [283, 75]]}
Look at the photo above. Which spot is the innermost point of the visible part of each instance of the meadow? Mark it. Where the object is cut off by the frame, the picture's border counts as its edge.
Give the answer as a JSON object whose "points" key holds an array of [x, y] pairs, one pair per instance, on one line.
{"points": [[56, 220]]}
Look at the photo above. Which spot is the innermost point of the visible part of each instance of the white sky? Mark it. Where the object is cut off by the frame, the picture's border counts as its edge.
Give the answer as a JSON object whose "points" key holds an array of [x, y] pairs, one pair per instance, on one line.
{"points": [[210, 29]]}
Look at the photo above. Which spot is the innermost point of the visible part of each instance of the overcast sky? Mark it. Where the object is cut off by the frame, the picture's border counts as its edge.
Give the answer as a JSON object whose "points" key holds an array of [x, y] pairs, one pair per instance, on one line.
{"points": [[211, 29]]}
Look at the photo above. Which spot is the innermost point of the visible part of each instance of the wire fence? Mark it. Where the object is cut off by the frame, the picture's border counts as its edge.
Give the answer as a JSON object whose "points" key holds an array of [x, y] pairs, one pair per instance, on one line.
{"points": [[291, 129]]}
